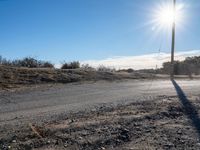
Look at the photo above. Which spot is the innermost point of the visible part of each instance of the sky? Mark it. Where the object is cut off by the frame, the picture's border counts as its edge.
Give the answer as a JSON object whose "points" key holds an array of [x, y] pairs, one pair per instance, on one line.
{"points": [[93, 31]]}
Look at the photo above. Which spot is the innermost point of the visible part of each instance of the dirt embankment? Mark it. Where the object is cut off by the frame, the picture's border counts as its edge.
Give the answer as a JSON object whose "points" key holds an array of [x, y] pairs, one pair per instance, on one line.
{"points": [[11, 77], [163, 123]]}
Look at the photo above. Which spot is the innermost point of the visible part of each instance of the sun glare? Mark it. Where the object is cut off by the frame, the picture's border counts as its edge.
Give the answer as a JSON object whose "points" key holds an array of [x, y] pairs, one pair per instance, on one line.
{"points": [[165, 15]]}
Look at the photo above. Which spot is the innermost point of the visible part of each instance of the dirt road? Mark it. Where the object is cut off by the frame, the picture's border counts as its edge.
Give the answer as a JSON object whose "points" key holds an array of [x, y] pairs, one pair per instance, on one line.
{"points": [[44, 103], [103, 115]]}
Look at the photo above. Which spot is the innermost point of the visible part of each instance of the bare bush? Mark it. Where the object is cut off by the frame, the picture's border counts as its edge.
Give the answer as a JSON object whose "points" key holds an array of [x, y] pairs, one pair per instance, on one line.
{"points": [[71, 65], [87, 67], [103, 68], [47, 64], [29, 62]]}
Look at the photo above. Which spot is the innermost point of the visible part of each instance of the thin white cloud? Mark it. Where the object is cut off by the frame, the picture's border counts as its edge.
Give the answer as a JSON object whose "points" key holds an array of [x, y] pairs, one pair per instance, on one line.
{"points": [[140, 62]]}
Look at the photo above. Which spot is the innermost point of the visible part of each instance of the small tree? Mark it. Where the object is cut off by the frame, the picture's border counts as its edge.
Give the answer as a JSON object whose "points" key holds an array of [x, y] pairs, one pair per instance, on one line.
{"points": [[71, 65]]}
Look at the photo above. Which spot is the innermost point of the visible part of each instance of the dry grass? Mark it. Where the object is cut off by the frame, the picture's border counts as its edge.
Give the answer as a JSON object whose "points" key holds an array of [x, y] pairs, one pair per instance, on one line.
{"points": [[11, 77]]}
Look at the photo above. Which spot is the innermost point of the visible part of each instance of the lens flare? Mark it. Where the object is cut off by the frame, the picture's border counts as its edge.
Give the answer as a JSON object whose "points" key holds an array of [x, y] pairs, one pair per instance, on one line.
{"points": [[165, 15]]}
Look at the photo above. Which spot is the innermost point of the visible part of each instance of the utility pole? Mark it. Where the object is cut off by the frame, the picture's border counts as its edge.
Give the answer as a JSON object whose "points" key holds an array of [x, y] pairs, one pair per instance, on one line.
{"points": [[173, 40]]}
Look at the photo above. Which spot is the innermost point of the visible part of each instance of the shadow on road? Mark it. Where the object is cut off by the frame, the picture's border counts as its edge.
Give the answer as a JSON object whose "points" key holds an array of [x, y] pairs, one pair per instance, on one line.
{"points": [[190, 110]]}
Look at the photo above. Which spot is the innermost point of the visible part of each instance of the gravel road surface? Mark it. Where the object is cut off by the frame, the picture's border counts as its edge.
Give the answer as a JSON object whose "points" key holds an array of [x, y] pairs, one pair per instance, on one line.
{"points": [[40, 103]]}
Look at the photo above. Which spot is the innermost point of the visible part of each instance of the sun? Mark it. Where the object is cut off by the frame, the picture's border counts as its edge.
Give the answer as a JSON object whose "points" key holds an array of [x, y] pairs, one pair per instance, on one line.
{"points": [[165, 15]]}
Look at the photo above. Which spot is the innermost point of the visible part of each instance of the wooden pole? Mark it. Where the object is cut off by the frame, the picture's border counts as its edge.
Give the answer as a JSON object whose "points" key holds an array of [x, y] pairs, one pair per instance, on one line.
{"points": [[173, 40]]}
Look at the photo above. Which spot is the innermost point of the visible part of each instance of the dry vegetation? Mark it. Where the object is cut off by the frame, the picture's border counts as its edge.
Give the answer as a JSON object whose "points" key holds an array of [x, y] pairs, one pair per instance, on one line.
{"points": [[29, 71], [11, 77]]}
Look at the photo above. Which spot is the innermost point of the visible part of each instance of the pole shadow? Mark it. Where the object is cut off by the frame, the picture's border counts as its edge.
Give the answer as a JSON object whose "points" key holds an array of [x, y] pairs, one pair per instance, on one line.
{"points": [[189, 108]]}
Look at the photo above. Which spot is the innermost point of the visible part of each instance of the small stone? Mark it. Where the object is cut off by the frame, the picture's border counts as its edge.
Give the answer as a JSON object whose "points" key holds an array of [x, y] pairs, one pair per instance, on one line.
{"points": [[148, 130], [125, 130], [93, 110], [198, 144], [168, 145], [179, 132], [165, 139], [65, 145], [71, 120], [182, 141], [14, 141]]}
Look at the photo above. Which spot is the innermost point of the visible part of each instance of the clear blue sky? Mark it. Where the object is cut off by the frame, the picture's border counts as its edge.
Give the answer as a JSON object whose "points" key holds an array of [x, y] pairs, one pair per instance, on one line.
{"points": [[68, 30]]}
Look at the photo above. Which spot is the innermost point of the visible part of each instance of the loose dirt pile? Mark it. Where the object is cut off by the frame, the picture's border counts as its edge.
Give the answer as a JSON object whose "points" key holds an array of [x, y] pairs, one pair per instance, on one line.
{"points": [[163, 123]]}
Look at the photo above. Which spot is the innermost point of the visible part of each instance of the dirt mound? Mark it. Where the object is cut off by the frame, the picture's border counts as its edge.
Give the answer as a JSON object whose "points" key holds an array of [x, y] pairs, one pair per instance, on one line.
{"points": [[13, 77]]}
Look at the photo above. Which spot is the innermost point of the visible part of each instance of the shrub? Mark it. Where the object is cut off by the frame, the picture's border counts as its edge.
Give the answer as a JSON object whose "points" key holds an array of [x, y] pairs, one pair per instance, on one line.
{"points": [[4, 61], [26, 62], [47, 64], [71, 65], [191, 65], [130, 70], [103, 68], [87, 67]]}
